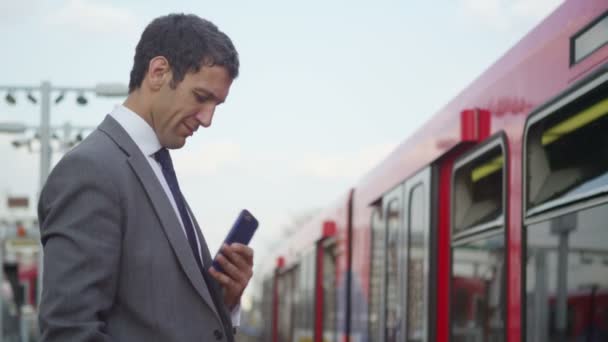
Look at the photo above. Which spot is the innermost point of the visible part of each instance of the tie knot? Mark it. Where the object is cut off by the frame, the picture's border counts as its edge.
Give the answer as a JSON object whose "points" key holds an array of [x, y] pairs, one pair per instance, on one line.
{"points": [[163, 157]]}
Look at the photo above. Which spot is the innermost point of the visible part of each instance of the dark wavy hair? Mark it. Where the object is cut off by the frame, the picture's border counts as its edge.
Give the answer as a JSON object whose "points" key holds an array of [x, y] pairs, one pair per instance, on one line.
{"points": [[188, 42]]}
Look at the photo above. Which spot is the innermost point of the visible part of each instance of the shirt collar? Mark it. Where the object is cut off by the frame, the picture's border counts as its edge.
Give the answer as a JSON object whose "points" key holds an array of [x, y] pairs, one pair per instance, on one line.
{"points": [[138, 129]]}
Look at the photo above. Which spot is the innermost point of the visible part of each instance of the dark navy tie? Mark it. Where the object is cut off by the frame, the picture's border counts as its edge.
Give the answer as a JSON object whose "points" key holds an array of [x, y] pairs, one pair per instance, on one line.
{"points": [[164, 159]]}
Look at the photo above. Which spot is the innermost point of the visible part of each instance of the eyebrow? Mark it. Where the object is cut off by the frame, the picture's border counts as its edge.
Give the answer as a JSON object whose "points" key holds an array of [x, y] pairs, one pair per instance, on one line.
{"points": [[206, 92]]}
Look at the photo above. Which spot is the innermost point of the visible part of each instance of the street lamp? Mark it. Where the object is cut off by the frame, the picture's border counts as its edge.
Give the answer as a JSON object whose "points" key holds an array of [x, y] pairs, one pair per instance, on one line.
{"points": [[10, 99], [59, 98], [45, 89], [13, 127], [63, 134], [81, 100], [32, 98]]}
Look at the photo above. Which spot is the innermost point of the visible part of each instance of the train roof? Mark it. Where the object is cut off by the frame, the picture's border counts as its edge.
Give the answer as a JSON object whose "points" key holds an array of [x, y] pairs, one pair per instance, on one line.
{"points": [[443, 131]]}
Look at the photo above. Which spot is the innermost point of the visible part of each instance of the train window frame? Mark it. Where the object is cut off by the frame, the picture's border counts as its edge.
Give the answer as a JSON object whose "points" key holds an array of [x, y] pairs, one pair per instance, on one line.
{"points": [[380, 224], [496, 227], [412, 185], [576, 91], [292, 269], [325, 244], [574, 59], [497, 140], [394, 198], [569, 204]]}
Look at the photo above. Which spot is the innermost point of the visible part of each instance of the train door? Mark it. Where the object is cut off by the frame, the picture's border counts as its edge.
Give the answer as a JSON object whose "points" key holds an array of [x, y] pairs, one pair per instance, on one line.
{"points": [[393, 315], [287, 297], [407, 241], [417, 256], [326, 299], [377, 277], [478, 275]]}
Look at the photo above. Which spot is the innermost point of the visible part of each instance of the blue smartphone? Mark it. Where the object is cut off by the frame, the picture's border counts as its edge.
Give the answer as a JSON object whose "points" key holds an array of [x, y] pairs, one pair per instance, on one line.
{"points": [[242, 231]]}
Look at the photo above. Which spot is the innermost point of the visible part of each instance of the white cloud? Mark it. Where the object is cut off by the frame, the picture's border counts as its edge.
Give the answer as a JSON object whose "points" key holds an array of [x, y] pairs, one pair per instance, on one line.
{"points": [[349, 166], [16, 11], [94, 17], [505, 14], [535, 9]]}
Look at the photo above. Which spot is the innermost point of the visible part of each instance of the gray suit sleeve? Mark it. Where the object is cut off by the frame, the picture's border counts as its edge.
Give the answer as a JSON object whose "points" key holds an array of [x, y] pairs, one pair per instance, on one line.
{"points": [[80, 222]]}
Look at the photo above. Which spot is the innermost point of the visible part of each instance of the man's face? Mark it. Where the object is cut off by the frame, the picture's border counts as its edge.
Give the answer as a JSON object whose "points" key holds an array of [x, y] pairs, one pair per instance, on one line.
{"points": [[178, 113]]}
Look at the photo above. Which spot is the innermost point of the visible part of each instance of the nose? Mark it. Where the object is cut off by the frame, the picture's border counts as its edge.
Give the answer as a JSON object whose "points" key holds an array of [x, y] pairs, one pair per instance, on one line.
{"points": [[205, 115]]}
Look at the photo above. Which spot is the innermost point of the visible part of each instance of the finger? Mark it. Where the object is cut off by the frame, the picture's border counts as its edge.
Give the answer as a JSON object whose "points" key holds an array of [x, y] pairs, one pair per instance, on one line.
{"points": [[221, 278], [230, 269], [244, 251], [236, 258]]}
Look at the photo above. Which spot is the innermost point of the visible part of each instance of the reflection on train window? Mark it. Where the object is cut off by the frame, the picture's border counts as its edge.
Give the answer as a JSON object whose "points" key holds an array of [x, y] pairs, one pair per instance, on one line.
{"points": [[591, 39], [267, 310], [567, 277], [417, 267], [394, 312], [478, 293], [329, 294], [304, 298], [478, 192], [566, 153], [376, 277], [287, 290]]}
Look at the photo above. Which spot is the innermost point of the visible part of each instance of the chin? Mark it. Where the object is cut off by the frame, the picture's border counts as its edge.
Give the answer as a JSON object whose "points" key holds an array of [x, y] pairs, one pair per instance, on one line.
{"points": [[175, 144]]}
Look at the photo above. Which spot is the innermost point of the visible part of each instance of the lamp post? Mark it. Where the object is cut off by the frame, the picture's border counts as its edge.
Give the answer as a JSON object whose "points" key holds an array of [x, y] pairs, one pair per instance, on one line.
{"points": [[45, 89], [44, 130]]}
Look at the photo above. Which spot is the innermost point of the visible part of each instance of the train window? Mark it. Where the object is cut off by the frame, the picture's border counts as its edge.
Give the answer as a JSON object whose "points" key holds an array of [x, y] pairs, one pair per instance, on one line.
{"points": [[406, 263], [304, 299], [267, 307], [329, 293], [287, 290], [565, 234], [566, 152], [567, 277], [478, 289], [394, 311], [376, 277], [417, 277], [590, 39], [479, 190]]}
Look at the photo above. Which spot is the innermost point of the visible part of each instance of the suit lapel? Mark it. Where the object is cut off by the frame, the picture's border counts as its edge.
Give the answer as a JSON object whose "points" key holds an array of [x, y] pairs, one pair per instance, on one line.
{"points": [[207, 261], [207, 258], [162, 207]]}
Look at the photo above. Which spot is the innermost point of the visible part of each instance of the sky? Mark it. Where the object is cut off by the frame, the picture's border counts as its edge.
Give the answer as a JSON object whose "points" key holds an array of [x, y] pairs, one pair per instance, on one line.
{"points": [[326, 89]]}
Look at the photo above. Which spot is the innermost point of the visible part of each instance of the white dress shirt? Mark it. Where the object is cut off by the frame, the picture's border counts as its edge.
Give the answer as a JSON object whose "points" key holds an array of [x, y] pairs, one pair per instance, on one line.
{"points": [[146, 140]]}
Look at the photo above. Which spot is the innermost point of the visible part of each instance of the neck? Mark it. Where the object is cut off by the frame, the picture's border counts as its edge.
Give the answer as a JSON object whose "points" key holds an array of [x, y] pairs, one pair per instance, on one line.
{"points": [[136, 103]]}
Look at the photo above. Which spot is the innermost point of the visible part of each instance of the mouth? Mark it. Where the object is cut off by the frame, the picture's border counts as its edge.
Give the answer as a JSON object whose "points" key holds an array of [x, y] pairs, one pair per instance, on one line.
{"points": [[190, 129]]}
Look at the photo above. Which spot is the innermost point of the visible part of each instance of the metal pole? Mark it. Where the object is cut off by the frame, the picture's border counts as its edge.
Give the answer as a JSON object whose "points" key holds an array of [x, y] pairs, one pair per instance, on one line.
{"points": [[540, 300], [45, 132], [3, 303], [45, 161], [562, 227], [67, 133], [561, 301]]}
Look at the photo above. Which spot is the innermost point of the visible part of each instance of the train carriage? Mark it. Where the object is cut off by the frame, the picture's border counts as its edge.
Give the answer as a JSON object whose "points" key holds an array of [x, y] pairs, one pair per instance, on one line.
{"points": [[488, 224]]}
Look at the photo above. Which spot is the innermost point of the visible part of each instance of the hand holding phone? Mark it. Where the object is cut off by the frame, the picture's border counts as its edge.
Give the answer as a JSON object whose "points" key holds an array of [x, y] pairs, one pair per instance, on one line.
{"points": [[242, 231]]}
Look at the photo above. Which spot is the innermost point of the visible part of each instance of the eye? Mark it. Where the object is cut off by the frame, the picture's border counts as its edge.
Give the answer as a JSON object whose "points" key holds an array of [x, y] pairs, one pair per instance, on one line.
{"points": [[200, 98]]}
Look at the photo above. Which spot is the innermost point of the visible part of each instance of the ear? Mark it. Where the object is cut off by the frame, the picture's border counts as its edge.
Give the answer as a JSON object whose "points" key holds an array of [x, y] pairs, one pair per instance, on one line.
{"points": [[158, 74]]}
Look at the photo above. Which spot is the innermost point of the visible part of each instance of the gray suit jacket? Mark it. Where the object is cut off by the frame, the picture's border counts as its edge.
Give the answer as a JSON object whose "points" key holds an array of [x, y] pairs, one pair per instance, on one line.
{"points": [[117, 265]]}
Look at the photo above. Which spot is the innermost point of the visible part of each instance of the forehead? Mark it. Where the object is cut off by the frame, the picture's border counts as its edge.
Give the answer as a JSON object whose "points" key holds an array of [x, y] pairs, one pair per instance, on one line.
{"points": [[213, 79]]}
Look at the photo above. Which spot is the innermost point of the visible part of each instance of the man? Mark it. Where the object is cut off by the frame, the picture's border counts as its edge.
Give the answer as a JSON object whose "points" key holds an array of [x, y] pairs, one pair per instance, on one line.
{"points": [[124, 258]]}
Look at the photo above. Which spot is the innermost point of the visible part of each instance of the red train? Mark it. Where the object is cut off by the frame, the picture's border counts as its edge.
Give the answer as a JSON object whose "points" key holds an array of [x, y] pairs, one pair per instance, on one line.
{"points": [[488, 224]]}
